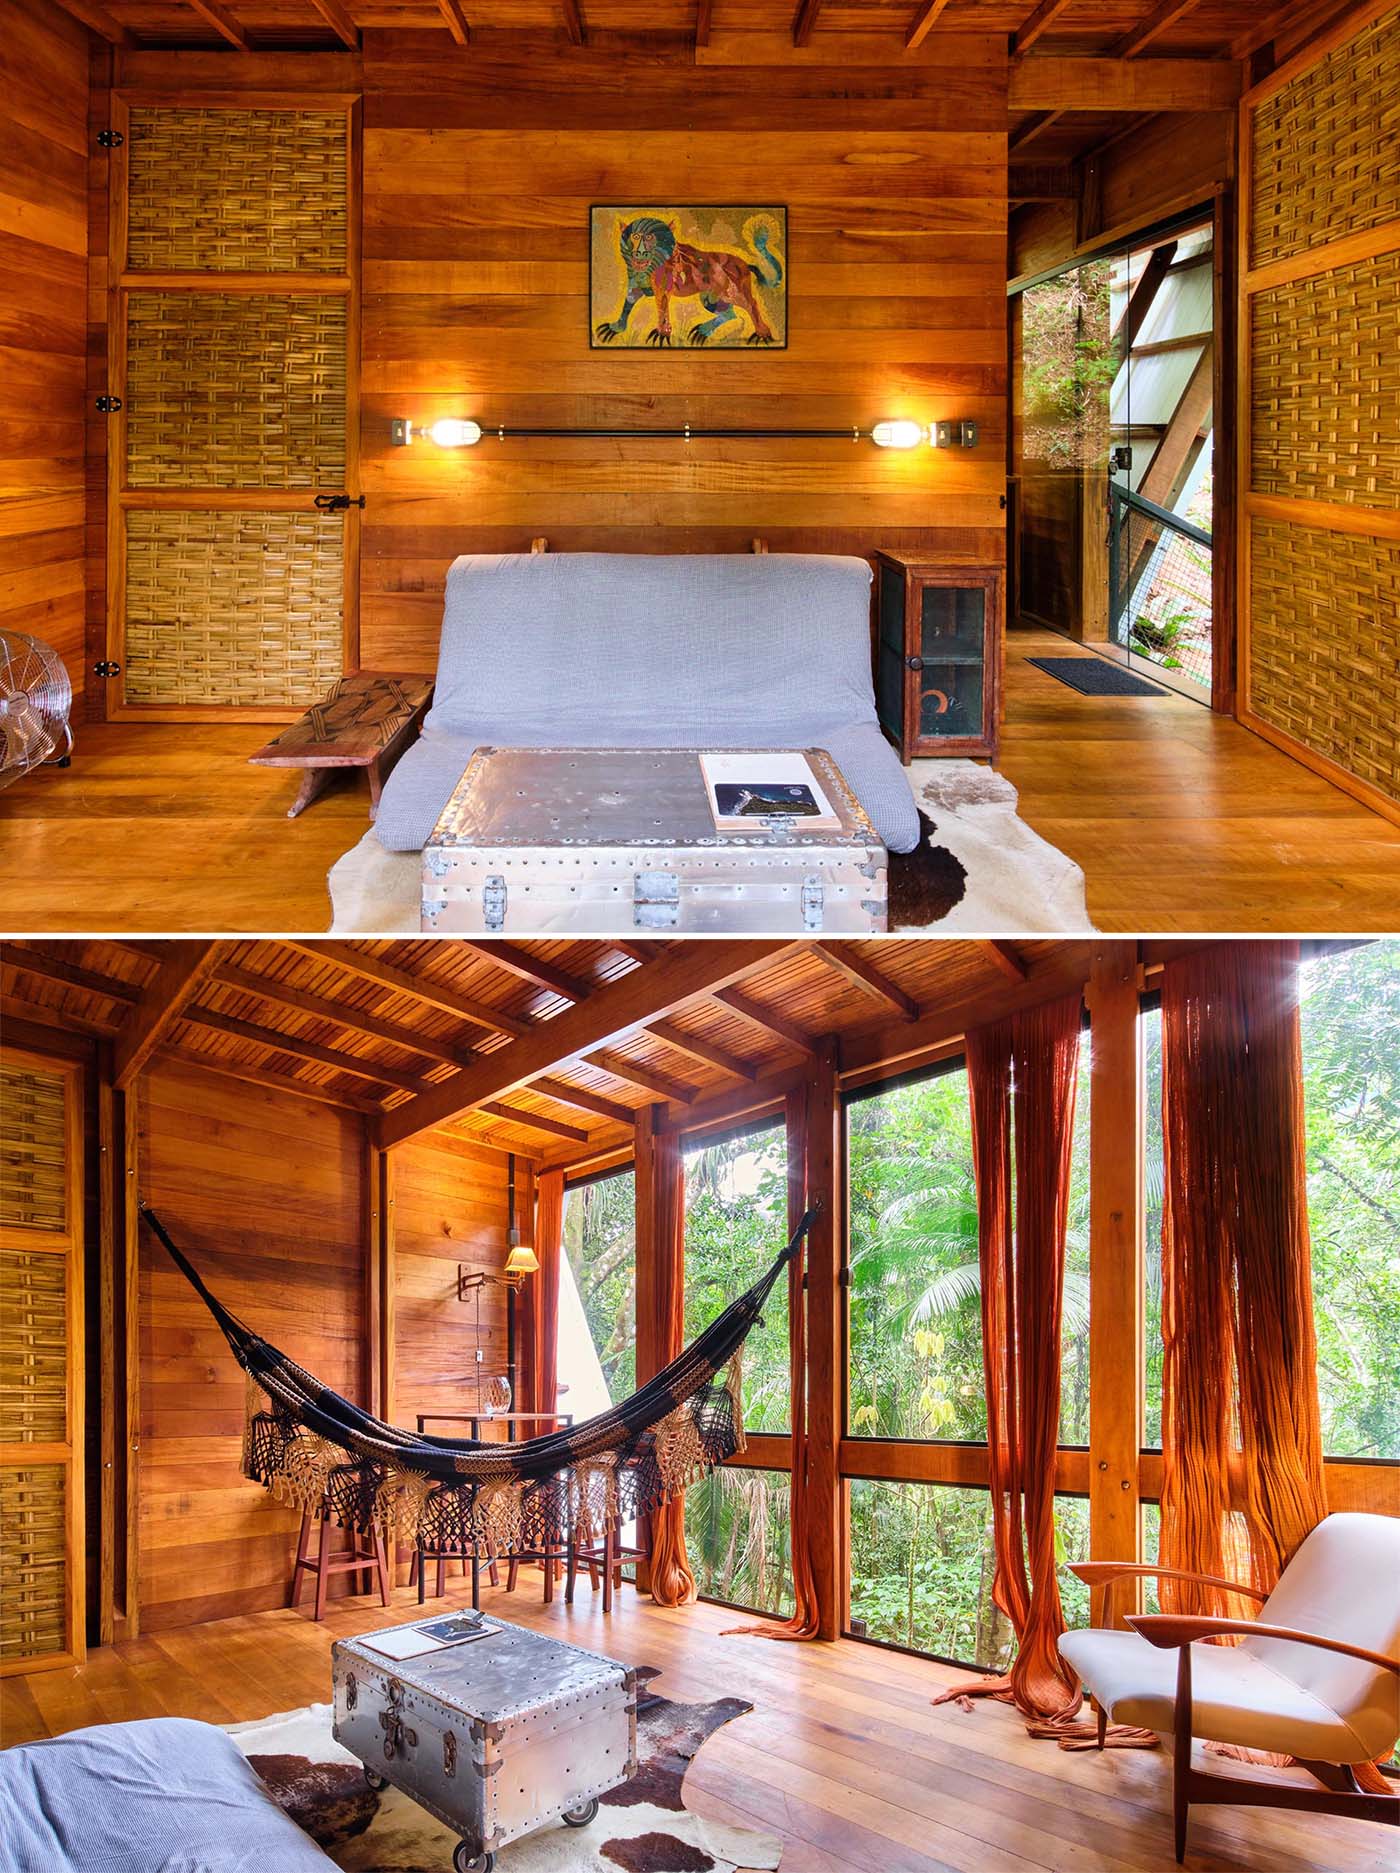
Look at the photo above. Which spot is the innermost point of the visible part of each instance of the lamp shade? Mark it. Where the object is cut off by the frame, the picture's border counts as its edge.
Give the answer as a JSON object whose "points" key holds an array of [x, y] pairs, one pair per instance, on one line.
{"points": [[522, 1260]]}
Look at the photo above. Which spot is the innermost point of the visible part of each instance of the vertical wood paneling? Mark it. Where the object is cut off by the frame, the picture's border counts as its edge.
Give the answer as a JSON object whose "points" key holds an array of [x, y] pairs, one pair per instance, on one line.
{"points": [[43, 284], [479, 170], [279, 1235]]}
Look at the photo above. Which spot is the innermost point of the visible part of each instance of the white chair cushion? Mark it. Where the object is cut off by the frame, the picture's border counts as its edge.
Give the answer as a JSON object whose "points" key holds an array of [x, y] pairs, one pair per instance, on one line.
{"points": [[1236, 1697]]}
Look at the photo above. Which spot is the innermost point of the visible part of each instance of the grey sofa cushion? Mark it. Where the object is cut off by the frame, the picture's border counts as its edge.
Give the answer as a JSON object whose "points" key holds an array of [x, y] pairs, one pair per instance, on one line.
{"points": [[687, 651], [165, 1795]]}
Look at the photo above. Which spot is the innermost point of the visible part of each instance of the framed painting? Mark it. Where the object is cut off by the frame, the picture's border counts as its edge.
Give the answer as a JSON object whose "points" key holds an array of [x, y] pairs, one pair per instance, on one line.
{"points": [[707, 277]]}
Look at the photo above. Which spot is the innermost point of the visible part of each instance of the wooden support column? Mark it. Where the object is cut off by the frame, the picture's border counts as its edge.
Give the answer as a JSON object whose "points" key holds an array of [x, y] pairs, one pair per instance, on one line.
{"points": [[1116, 1252], [649, 1361], [826, 1303], [109, 1211], [130, 1492], [376, 1346]]}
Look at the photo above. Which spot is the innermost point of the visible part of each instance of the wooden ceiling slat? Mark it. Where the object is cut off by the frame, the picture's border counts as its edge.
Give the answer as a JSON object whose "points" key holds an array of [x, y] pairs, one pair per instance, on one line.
{"points": [[301, 1046], [421, 988], [1005, 959], [584, 1098], [358, 1020], [37, 962], [530, 968], [88, 13], [266, 1076], [1160, 20], [223, 22], [1037, 23], [649, 1078], [177, 982], [765, 1017], [855, 968], [535, 1121]]}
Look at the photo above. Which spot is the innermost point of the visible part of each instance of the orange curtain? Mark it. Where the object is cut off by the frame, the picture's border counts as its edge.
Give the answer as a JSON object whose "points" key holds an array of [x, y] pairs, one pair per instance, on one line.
{"points": [[1237, 1308], [672, 1583], [544, 1295], [1027, 1067]]}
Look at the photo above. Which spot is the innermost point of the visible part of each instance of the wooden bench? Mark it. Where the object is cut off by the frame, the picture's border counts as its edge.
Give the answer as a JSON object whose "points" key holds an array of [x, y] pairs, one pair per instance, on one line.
{"points": [[367, 721]]}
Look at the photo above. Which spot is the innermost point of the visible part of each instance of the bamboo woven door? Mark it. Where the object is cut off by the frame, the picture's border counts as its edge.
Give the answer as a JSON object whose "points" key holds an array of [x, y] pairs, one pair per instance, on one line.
{"points": [[41, 1364], [233, 320], [1319, 599]]}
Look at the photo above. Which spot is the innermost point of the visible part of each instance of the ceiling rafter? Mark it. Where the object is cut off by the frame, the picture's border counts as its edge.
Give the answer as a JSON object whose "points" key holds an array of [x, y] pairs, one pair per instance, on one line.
{"points": [[1152, 27], [804, 20], [37, 962], [700, 1049], [584, 1098], [302, 1047], [923, 23], [223, 22], [436, 994], [1031, 127], [639, 1073], [1004, 958], [535, 1121], [574, 23], [230, 975], [163, 1001], [534, 969], [97, 19], [1036, 23], [614, 1011], [865, 975], [340, 22], [455, 20], [765, 1017]]}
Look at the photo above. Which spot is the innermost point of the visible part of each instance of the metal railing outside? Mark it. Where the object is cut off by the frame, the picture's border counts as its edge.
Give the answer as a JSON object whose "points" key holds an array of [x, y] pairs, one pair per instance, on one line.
{"points": [[1159, 582]]}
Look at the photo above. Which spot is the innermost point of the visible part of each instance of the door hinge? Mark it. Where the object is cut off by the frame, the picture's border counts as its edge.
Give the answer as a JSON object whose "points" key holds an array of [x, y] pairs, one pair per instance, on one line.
{"points": [[106, 668], [812, 897], [110, 139], [656, 900], [493, 902], [109, 405], [337, 503]]}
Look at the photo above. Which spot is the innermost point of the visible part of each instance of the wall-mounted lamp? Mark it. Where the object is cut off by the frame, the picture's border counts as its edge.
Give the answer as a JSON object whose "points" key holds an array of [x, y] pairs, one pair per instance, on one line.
{"points": [[455, 432]]}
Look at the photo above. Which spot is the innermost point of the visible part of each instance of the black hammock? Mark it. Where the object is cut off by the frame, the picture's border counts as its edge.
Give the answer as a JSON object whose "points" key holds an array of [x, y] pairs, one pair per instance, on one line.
{"points": [[316, 1451]]}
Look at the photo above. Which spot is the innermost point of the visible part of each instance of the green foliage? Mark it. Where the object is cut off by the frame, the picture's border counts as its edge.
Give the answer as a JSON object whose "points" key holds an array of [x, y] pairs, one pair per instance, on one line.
{"points": [[737, 1534], [600, 1242], [1068, 364]]}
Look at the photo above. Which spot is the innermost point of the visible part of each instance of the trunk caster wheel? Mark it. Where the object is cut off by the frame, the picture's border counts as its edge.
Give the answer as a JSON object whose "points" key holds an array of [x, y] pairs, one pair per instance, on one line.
{"points": [[580, 1817], [465, 1860], [375, 1780]]}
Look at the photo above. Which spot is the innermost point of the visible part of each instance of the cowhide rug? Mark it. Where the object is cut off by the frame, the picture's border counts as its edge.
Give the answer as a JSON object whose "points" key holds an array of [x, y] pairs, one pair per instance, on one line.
{"points": [[979, 868], [642, 1827]]}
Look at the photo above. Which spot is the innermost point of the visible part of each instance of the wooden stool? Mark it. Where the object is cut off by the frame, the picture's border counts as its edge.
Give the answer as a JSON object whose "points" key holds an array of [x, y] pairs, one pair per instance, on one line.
{"points": [[361, 1557], [552, 1556], [421, 1556], [605, 1557], [366, 721]]}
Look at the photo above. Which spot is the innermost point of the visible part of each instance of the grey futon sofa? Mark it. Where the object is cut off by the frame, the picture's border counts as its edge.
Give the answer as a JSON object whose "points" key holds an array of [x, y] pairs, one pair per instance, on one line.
{"points": [[164, 1795], [612, 650]]}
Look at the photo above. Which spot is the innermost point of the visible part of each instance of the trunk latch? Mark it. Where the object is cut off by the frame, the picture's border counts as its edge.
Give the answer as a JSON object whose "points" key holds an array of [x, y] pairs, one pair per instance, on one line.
{"points": [[493, 902], [812, 896], [656, 900]]}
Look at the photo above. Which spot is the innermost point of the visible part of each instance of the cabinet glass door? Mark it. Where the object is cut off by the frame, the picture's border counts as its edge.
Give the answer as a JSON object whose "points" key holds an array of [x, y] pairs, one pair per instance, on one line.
{"points": [[890, 653], [951, 649]]}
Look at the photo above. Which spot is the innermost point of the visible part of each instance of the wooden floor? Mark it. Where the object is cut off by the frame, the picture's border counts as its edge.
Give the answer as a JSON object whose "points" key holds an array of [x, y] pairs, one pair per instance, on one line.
{"points": [[1181, 820], [843, 1755]]}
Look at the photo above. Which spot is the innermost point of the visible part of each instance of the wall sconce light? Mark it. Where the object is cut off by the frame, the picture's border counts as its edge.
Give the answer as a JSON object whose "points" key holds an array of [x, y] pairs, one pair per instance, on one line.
{"points": [[455, 432]]}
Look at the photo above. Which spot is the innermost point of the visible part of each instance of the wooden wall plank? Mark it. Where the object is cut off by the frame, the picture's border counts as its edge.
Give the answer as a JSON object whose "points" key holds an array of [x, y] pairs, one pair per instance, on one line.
{"points": [[43, 313]]}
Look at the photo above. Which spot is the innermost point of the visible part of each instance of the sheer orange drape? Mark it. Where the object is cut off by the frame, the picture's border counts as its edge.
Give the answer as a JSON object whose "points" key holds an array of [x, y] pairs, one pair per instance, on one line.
{"points": [[544, 1292], [1027, 1069], [672, 1583]]}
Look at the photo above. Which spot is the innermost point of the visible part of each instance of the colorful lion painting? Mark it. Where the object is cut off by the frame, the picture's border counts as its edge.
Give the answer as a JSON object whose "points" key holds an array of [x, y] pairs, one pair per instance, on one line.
{"points": [[697, 277]]}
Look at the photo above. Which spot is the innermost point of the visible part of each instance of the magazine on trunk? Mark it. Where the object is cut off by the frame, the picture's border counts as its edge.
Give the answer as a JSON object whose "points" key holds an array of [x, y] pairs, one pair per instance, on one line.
{"points": [[747, 791]]}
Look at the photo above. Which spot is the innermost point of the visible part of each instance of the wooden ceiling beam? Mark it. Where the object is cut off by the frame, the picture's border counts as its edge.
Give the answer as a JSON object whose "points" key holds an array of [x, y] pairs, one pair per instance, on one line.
{"points": [[97, 19], [1107, 86], [650, 1079], [340, 22], [923, 23], [223, 22], [584, 1098], [37, 962], [574, 23], [686, 972], [804, 20], [436, 994], [1036, 23], [304, 1049], [700, 1049], [1004, 958], [763, 1017], [1152, 27], [177, 982], [865, 975], [532, 969], [536, 1121], [288, 996], [1031, 127], [456, 21], [266, 1076]]}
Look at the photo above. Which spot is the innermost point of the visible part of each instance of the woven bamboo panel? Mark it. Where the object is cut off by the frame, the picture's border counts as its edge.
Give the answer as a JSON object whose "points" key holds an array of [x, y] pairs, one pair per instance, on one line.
{"points": [[33, 1607], [33, 1347], [249, 191], [1325, 386], [33, 1172], [1325, 644], [233, 608], [235, 391], [1326, 149]]}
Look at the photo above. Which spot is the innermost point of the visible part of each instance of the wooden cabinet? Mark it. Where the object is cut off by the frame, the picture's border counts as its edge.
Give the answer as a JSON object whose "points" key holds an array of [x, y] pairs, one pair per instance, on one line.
{"points": [[938, 650]]}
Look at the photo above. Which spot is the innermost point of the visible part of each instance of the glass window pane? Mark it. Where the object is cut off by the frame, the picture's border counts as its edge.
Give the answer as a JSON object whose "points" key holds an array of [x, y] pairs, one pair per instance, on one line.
{"points": [[1074, 1331], [736, 1534], [922, 1564], [1351, 1086], [735, 1223], [598, 1296], [915, 1312], [1153, 1188]]}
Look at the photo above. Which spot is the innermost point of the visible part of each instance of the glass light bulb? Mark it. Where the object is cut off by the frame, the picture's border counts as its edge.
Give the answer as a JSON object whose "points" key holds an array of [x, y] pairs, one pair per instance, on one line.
{"points": [[455, 432], [903, 434]]}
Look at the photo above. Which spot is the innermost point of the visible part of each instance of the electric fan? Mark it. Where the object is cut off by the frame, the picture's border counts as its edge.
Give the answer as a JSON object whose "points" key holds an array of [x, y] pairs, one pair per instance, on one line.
{"points": [[35, 697]]}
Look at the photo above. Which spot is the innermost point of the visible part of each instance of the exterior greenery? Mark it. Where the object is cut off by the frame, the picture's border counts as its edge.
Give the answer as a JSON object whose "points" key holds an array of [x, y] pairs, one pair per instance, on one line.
{"points": [[601, 1244]]}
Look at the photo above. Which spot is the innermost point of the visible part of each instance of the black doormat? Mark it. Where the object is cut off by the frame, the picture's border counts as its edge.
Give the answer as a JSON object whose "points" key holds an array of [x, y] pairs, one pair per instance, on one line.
{"points": [[1095, 676]]}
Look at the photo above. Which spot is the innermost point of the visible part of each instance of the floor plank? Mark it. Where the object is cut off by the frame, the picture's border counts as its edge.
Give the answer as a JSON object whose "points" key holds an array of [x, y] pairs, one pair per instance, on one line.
{"points": [[843, 1755], [1182, 821]]}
